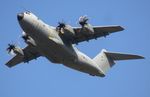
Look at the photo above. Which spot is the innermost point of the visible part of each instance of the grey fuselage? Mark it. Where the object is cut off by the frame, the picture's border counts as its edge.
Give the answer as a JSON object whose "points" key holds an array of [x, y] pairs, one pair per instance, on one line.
{"points": [[50, 45]]}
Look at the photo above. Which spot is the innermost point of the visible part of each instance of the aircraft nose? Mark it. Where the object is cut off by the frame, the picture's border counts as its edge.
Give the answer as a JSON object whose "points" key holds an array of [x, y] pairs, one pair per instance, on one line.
{"points": [[20, 16]]}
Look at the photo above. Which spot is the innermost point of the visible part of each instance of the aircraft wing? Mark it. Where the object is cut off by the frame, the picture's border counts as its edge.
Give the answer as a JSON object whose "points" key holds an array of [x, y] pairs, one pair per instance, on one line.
{"points": [[30, 53], [99, 31]]}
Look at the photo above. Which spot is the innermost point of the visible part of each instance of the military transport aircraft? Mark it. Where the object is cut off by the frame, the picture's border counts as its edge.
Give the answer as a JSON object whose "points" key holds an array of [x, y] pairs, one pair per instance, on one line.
{"points": [[56, 44]]}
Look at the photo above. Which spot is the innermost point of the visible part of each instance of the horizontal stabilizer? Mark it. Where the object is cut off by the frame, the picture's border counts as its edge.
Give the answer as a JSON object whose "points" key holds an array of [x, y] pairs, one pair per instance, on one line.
{"points": [[120, 56]]}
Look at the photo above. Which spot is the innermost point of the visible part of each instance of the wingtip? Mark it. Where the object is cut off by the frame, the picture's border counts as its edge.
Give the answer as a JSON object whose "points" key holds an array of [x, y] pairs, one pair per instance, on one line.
{"points": [[141, 57], [121, 28], [8, 65]]}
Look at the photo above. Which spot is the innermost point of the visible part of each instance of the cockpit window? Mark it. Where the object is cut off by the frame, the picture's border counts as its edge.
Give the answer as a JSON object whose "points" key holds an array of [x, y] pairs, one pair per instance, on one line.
{"points": [[28, 12]]}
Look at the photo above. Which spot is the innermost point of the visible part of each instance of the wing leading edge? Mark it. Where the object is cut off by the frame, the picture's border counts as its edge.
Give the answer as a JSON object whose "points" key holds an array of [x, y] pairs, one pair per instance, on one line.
{"points": [[99, 31], [30, 54]]}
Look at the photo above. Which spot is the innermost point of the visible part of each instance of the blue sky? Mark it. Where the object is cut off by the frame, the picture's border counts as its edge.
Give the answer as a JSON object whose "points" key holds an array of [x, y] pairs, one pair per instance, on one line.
{"points": [[42, 78]]}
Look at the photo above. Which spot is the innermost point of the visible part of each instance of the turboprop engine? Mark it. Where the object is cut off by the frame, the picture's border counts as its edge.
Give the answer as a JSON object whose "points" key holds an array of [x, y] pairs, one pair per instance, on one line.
{"points": [[15, 49], [86, 27], [65, 30], [28, 39]]}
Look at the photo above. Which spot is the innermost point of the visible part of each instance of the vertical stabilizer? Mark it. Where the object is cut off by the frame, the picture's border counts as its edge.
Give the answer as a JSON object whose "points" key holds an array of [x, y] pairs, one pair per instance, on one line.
{"points": [[105, 60]]}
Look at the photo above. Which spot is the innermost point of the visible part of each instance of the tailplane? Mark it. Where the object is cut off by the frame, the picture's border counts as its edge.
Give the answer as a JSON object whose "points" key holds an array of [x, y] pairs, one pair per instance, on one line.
{"points": [[105, 60]]}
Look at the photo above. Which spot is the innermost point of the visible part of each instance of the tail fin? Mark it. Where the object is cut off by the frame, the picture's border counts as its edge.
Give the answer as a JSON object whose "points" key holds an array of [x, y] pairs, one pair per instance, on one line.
{"points": [[105, 60]]}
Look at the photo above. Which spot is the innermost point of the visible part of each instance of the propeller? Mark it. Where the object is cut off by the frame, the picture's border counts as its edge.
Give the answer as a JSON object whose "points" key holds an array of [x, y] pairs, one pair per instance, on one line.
{"points": [[61, 25], [11, 47], [83, 20], [25, 37]]}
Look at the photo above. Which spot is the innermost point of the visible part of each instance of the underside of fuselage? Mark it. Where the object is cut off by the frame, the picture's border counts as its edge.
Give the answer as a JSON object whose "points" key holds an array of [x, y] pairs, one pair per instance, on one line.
{"points": [[50, 45]]}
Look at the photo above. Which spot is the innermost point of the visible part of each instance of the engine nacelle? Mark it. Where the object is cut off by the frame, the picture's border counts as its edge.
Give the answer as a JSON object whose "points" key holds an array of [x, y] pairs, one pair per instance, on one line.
{"points": [[88, 29], [28, 40], [18, 50], [67, 31]]}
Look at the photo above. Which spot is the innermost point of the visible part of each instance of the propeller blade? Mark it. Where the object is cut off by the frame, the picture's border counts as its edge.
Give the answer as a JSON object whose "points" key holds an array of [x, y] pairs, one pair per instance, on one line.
{"points": [[61, 25], [83, 20], [10, 47]]}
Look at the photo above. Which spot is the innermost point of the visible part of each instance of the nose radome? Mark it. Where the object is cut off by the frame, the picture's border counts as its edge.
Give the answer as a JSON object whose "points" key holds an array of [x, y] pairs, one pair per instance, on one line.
{"points": [[20, 16]]}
